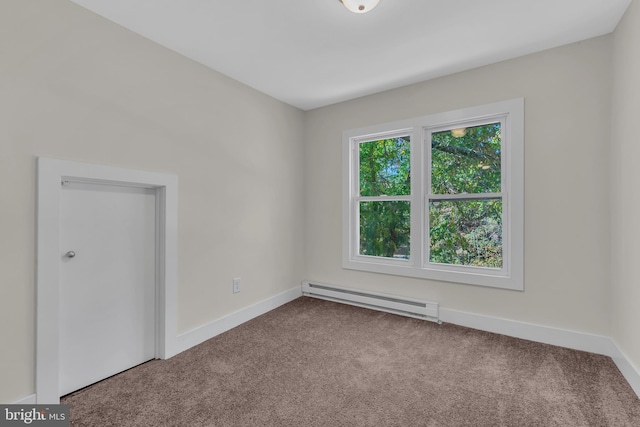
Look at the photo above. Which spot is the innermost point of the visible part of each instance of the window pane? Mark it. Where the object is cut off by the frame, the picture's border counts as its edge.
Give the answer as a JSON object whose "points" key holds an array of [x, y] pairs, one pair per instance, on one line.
{"points": [[385, 229], [466, 160], [385, 167], [466, 232]]}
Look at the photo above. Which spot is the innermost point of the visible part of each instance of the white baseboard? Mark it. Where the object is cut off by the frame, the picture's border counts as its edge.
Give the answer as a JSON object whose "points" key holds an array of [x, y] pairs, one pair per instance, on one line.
{"points": [[198, 335], [576, 340], [563, 338], [630, 372], [29, 400]]}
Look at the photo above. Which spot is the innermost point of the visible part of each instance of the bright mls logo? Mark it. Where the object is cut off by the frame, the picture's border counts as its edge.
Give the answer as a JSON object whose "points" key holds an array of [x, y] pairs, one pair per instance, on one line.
{"points": [[34, 415]]}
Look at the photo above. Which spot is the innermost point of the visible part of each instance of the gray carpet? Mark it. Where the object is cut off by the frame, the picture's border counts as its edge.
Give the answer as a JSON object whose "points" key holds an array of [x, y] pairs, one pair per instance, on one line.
{"points": [[318, 363]]}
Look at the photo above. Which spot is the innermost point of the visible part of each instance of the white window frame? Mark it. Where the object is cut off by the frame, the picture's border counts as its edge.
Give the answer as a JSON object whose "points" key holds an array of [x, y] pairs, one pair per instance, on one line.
{"points": [[356, 199], [511, 116]]}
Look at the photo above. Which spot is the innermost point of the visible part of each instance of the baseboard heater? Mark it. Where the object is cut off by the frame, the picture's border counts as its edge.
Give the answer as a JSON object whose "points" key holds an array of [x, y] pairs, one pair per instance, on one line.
{"points": [[382, 302]]}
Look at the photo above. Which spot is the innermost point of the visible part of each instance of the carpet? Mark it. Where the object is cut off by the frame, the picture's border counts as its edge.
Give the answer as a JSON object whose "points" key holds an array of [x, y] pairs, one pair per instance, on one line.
{"points": [[317, 363]]}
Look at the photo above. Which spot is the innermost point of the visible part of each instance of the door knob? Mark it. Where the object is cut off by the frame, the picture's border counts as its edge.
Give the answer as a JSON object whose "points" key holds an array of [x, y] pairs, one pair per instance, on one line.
{"points": [[70, 254]]}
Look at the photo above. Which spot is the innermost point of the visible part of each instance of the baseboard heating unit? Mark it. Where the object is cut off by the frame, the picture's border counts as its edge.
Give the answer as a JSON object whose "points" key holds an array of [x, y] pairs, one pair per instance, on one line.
{"points": [[376, 301]]}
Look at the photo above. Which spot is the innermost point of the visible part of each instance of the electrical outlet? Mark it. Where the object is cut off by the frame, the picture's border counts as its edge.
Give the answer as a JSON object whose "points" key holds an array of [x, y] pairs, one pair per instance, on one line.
{"points": [[236, 285]]}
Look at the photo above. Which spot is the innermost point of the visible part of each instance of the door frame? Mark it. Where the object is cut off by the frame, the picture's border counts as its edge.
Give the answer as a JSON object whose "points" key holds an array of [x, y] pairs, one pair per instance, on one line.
{"points": [[51, 174]]}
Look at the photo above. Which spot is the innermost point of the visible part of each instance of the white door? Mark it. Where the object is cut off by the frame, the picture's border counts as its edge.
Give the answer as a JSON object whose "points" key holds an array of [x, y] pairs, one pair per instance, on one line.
{"points": [[107, 281]]}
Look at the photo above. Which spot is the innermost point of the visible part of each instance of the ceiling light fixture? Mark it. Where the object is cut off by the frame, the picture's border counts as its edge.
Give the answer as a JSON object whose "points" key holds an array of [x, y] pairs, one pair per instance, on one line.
{"points": [[360, 6]]}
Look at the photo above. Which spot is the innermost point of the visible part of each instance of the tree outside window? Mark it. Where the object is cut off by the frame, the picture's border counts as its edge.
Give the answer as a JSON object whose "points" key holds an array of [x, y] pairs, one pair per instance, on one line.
{"points": [[438, 197]]}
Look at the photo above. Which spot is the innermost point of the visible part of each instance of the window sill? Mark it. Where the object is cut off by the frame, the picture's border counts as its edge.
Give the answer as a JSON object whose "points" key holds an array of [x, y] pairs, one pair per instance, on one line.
{"points": [[406, 269]]}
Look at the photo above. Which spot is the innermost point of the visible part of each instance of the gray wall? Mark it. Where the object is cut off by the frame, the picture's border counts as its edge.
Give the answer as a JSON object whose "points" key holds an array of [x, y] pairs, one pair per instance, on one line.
{"points": [[256, 174], [625, 180], [567, 114], [75, 86]]}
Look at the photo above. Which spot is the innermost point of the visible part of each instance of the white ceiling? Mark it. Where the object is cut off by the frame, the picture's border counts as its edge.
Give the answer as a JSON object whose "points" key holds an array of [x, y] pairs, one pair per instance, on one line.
{"points": [[312, 53]]}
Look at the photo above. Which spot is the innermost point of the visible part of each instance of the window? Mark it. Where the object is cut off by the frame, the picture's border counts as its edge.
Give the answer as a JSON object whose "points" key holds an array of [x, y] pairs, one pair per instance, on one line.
{"points": [[438, 197], [385, 197]]}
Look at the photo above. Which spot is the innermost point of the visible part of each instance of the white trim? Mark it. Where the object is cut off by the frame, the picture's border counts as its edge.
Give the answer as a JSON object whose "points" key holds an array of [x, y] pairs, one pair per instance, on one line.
{"points": [[505, 120], [628, 370], [202, 333], [511, 114], [564, 338], [591, 343], [50, 174], [29, 400], [598, 344]]}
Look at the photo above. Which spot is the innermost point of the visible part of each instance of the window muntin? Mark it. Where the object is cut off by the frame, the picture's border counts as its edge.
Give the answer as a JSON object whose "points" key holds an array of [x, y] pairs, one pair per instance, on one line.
{"points": [[487, 250]]}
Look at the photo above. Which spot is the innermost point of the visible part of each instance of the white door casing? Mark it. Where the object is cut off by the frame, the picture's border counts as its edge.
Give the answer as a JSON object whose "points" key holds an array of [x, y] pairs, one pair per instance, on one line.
{"points": [[107, 281], [51, 173]]}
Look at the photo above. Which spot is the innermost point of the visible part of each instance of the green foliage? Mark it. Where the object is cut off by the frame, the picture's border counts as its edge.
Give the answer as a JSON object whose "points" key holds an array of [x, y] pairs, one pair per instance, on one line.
{"points": [[467, 164], [461, 232], [385, 167], [384, 229], [385, 171], [466, 232]]}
